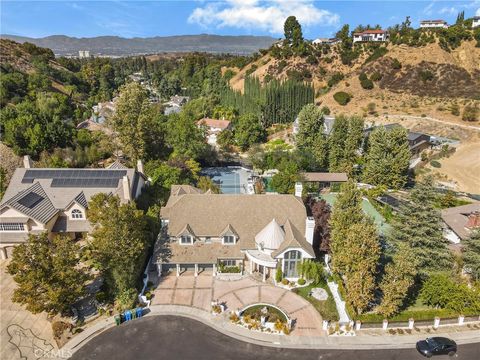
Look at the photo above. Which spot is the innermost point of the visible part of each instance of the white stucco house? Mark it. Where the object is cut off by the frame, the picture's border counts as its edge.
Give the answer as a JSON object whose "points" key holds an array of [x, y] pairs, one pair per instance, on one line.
{"points": [[213, 127], [56, 200], [433, 24], [476, 22], [375, 35]]}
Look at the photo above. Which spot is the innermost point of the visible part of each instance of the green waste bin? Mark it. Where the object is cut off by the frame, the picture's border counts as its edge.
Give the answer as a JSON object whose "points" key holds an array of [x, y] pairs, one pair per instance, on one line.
{"points": [[118, 320], [134, 315]]}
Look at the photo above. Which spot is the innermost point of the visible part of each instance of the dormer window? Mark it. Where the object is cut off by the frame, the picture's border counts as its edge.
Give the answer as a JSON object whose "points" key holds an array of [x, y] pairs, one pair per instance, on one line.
{"points": [[186, 240], [229, 240], [77, 214]]}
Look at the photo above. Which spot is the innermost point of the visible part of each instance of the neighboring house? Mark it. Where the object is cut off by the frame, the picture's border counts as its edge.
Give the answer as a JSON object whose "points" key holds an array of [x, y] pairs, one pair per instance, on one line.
{"points": [[174, 105], [460, 221], [433, 24], [100, 113], [476, 22], [214, 127], [375, 35], [321, 180], [417, 142], [327, 125], [256, 233], [326, 41], [56, 200]]}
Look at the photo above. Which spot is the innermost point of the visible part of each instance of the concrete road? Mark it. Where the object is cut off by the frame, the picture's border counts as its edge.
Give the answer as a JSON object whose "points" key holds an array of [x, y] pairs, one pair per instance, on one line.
{"points": [[178, 338]]}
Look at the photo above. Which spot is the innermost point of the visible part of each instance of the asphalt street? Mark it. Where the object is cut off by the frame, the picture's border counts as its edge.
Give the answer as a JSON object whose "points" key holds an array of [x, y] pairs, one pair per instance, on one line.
{"points": [[178, 338]]}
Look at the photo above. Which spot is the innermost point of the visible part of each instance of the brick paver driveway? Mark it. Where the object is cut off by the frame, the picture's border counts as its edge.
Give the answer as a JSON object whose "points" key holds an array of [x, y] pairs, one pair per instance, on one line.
{"points": [[201, 290]]}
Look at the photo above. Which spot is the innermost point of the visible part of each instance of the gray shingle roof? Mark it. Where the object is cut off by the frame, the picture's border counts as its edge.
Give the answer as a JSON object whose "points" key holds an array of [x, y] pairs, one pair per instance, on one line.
{"points": [[41, 209]]}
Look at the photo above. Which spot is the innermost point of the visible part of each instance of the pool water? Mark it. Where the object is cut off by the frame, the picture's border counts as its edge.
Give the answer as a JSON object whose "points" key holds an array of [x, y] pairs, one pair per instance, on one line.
{"points": [[231, 179]]}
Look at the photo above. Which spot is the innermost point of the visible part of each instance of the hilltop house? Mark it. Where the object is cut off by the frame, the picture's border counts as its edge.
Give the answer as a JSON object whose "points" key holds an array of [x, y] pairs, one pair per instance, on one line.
{"points": [[56, 200], [214, 127], [174, 105], [433, 24], [375, 35], [476, 22], [460, 221], [326, 41], [211, 232]]}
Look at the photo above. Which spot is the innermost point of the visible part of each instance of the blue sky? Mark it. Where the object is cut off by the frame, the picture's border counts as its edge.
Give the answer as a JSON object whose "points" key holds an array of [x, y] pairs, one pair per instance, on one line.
{"points": [[228, 17]]}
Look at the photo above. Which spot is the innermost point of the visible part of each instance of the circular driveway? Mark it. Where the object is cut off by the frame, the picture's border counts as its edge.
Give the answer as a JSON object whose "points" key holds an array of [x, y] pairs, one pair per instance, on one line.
{"points": [[171, 338]]}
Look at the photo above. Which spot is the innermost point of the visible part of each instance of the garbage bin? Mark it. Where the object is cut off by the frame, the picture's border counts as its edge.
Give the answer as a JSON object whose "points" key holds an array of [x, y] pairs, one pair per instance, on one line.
{"points": [[118, 320], [134, 314], [139, 312], [128, 315]]}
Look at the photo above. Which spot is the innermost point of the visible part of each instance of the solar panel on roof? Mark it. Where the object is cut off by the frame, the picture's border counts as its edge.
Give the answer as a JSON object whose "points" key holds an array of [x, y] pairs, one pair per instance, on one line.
{"points": [[57, 174], [30, 200]]}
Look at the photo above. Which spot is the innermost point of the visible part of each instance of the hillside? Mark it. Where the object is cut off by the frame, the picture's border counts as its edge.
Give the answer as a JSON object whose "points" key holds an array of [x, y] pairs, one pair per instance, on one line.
{"points": [[455, 79], [118, 46]]}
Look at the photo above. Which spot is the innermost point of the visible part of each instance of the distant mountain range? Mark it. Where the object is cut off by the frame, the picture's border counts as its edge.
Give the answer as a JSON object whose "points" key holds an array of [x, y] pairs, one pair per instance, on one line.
{"points": [[117, 46]]}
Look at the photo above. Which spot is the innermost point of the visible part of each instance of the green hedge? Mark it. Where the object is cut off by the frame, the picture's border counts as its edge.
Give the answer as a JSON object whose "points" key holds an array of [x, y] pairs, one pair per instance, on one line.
{"points": [[417, 315]]}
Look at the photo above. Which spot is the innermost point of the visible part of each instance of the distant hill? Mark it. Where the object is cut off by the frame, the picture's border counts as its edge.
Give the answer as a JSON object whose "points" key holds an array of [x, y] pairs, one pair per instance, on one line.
{"points": [[117, 46]]}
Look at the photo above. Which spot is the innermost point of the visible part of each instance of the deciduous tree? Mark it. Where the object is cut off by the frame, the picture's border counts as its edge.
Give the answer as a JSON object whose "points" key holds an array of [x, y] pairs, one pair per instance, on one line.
{"points": [[310, 136]]}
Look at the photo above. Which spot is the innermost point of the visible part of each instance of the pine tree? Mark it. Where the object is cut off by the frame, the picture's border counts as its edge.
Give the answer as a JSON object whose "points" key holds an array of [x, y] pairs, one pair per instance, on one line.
{"points": [[471, 254], [388, 158], [310, 136], [47, 273], [399, 276], [347, 211], [418, 224]]}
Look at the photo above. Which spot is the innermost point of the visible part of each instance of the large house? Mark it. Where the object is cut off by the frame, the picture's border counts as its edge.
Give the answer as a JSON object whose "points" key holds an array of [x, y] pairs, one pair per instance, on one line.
{"points": [[476, 22], [214, 127], [56, 200], [326, 41], [460, 221], [175, 104], [375, 35], [433, 24], [256, 233]]}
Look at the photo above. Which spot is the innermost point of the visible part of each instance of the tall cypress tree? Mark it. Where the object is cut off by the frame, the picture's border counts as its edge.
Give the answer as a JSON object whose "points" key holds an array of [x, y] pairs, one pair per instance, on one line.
{"points": [[388, 158], [310, 136], [419, 225], [337, 143]]}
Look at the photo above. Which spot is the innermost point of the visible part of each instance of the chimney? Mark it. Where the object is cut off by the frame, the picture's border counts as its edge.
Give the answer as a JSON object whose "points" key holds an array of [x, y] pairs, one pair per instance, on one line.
{"points": [[140, 166], [126, 188], [309, 229], [298, 189], [27, 162], [473, 220]]}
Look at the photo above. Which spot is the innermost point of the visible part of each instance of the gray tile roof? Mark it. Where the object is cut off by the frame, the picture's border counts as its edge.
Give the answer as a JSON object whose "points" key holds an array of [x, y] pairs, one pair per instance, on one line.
{"points": [[41, 209], [457, 217], [80, 198], [64, 224]]}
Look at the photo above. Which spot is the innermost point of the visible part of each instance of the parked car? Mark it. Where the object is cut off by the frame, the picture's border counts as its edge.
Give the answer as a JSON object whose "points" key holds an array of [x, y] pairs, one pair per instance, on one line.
{"points": [[437, 346]]}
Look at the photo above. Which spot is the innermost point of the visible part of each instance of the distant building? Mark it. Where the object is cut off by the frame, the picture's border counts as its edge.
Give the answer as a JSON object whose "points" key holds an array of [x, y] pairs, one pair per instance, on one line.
{"points": [[476, 22], [375, 35], [83, 54], [327, 125], [55, 201], [214, 127], [433, 24], [326, 41], [460, 221], [100, 113], [174, 105]]}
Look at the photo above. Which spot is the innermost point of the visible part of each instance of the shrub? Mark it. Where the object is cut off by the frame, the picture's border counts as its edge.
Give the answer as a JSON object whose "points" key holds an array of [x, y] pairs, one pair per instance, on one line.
{"points": [[285, 282], [342, 98], [251, 70], [470, 113], [365, 81], [376, 76], [59, 327], [325, 110], [377, 53], [455, 109], [435, 164], [278, 275], [426, 75], [371, 108], [301, 281], [335, 79], [396, 65]]}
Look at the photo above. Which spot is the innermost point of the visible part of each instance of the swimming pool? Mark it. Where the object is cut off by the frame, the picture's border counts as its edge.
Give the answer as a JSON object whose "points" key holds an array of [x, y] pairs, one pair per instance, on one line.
{"points": [[231, 179]]}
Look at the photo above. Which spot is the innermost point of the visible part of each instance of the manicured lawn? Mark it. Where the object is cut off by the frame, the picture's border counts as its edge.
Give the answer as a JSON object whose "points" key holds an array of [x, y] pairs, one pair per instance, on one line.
{"points": [[326, 308]]}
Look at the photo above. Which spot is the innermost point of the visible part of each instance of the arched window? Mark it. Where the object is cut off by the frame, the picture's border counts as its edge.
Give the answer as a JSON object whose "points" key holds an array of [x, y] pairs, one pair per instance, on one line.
{"points": [[77, 214], [291, 259]]}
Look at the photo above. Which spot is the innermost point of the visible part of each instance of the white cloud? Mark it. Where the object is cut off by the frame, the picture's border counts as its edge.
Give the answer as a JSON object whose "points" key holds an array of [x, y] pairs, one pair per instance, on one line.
{"points": [[266, 15], [478, 12], [428, 10], [448, 10]]}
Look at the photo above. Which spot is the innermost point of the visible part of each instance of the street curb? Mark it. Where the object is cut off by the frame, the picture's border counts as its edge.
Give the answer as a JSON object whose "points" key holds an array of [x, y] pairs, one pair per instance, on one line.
{"points": [[223, 325]]}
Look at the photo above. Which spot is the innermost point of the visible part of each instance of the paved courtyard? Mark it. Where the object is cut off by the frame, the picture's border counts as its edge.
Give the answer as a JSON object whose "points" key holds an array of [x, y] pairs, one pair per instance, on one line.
{"points": [[199, 292], [22, 334]]}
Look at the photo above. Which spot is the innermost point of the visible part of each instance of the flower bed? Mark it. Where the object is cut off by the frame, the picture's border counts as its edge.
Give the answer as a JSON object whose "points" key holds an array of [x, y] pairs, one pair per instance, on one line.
{"points": [[262, 318]]}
